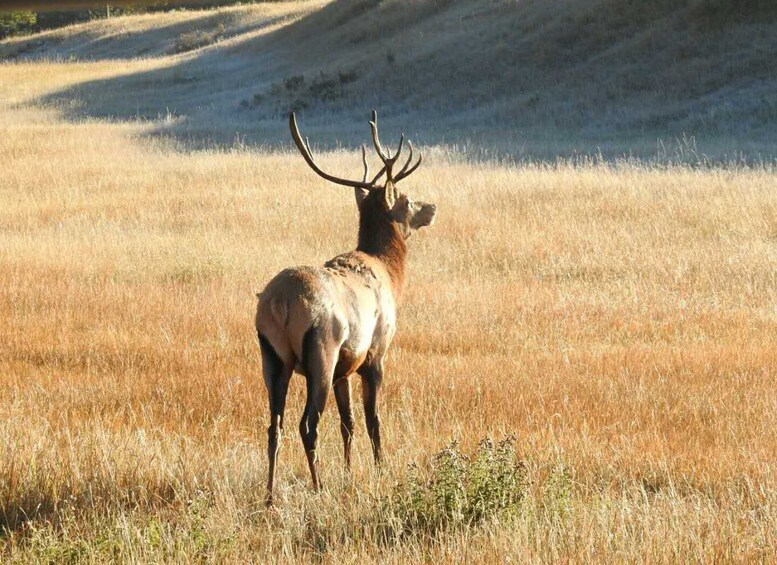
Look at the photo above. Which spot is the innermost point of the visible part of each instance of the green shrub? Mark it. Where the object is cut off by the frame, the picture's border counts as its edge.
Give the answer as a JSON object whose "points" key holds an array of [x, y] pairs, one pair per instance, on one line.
{"points": [[12, 23], [458, 491]]}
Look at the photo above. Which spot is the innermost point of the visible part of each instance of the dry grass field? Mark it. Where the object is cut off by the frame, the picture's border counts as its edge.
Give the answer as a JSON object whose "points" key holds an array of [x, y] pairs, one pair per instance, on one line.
{"points": [[612, 327]]}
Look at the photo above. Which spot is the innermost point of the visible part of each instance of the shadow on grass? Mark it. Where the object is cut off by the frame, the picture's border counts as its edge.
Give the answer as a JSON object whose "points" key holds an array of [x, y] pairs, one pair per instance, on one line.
{"points": [[526, 88], [214, 95]]}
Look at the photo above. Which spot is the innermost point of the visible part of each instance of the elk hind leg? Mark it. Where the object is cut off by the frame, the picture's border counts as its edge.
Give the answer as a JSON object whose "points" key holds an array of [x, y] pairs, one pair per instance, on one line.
{"points": [[343, 396], [276, 376], [318, 359]]}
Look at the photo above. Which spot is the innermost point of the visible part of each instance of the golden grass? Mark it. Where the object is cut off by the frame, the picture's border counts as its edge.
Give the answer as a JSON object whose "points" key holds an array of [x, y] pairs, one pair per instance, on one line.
{"points": [[621, 321]]}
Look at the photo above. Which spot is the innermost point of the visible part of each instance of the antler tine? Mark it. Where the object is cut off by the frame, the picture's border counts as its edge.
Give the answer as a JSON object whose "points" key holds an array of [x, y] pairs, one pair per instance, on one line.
{"points": [[399, 149], [307, 145], [376, 138], [409, 158], [366, 165], [388, 159], [383, 169], [404, 174], [304, 148]]}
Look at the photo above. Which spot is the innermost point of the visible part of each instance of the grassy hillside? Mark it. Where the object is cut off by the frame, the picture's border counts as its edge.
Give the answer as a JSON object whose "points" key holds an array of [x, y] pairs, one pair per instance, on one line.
{"points": [[523, 78]]}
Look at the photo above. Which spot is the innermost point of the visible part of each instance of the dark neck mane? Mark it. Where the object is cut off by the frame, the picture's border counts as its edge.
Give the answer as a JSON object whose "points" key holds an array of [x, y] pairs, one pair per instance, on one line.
{"points": [[382, 238]]}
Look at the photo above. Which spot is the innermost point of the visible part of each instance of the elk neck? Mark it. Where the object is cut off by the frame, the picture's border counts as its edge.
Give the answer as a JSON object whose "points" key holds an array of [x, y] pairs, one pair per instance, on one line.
{"points": [[382, 238]]}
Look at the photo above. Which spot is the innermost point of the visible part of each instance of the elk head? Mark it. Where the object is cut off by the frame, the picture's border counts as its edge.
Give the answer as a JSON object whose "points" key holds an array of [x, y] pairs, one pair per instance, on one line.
{"points": [[406, 214]]}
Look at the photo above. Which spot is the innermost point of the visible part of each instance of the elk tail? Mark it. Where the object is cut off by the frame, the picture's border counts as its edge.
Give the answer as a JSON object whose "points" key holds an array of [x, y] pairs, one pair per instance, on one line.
{"points": [[280, 312]]}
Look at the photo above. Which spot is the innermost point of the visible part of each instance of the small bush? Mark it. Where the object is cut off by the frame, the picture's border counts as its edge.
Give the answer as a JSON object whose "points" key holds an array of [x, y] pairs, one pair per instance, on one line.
{"points": [[459, 491], [12, 23]]}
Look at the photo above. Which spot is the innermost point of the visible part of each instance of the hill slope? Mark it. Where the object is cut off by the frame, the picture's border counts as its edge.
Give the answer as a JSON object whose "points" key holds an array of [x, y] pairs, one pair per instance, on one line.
{"points": [[529, 77]]}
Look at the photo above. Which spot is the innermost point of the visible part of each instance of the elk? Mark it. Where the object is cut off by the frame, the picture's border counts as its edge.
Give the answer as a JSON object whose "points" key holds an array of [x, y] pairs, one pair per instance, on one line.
{"points": [[330, 322]]}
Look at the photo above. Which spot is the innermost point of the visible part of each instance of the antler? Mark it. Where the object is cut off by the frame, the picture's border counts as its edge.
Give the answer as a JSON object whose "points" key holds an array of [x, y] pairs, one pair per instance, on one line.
{"points": [[388, 160], [304, 148], [405, 172]]}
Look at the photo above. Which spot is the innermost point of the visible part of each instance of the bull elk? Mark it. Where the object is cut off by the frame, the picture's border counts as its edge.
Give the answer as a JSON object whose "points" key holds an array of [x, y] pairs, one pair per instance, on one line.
{"points": [[332, 321]]}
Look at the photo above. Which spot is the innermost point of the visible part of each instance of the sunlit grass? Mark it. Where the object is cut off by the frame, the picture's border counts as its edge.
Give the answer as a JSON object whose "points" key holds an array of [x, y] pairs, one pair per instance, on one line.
{"points": [[619, 321]]}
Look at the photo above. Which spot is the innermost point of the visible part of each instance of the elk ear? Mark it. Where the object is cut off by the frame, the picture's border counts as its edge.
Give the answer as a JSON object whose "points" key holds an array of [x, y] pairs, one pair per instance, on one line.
{"points": [[360, 194], [390, 194]]}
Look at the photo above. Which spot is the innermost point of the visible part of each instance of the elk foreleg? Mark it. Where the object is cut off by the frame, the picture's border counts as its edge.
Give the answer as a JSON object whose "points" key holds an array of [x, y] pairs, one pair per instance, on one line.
{"points": [[372, 376]]}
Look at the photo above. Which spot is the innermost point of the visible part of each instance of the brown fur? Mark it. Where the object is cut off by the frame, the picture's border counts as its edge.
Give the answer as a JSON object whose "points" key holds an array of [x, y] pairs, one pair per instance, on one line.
{"points": [[381, 238]]}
